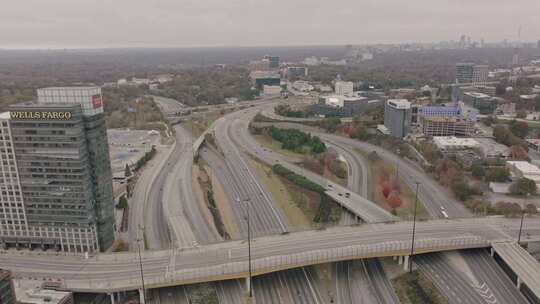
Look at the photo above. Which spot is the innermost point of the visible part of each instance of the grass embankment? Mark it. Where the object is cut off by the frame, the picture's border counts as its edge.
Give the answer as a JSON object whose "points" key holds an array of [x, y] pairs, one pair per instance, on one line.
{"points": [[383, 174], [206, 186], [415, 288], [328, 211], [293, 203], [301, 201], [198, 125], [275, 146], [329, 167]]}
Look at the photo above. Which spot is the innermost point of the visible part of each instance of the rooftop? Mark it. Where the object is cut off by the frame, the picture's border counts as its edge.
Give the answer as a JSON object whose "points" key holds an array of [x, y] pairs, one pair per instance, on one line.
{"points": [[5, 115], [477, 95], [399, 103], [69, 88], [455, 141], [525, 167], [41, 296]]}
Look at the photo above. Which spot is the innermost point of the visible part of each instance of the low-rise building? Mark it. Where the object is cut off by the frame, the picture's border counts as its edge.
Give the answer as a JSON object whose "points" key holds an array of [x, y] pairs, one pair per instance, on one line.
{"points": [[38, 295], [344, 88], [335, 105], [447, 126], [296, 71], [261, 78], [492, 150], [527, 98], [271, 90], [452, 143], [524, 169], [302, 86], [506, 109], [483, 102]]}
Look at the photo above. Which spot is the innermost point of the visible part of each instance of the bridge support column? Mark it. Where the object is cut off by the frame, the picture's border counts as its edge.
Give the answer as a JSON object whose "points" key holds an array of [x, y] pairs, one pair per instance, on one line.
{"points": [[518, 284], [492, 252], [249, 300], [400, 260], [141, 296], [112, 298], [406, 263], [395, 258]]}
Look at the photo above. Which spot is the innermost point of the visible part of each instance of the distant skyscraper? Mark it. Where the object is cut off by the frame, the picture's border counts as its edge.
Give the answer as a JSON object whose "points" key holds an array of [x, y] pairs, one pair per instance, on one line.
{"points": [[274, 61], [515, 57], [57, 175], [464, 72], [397, 117]]}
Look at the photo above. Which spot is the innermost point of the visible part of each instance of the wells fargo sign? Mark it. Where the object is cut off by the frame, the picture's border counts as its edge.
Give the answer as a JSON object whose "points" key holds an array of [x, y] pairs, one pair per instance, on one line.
{"points": [[40, 115]]}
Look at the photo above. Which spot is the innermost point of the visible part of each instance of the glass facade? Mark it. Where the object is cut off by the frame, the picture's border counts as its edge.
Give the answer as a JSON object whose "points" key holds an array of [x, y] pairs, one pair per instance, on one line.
{"points": [[64, 170]]}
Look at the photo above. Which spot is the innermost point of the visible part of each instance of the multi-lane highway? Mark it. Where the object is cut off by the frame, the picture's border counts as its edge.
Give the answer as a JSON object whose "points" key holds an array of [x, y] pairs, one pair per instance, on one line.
{"points": [[245, 191], [435, 199]]}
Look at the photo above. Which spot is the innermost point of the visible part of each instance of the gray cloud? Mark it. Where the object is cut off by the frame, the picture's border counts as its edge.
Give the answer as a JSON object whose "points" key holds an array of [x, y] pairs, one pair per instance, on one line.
{"points": [[179, 23]]}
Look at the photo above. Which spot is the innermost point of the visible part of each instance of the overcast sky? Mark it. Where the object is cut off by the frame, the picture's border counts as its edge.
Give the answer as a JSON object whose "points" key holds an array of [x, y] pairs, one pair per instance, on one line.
{"points": [[186, 23]]}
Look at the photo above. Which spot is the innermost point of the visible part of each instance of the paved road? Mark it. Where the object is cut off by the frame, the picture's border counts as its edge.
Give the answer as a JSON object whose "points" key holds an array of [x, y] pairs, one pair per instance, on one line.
{"points": [[355, 203], [119, 271], [238, 178], [361, 281], [140, 201]]}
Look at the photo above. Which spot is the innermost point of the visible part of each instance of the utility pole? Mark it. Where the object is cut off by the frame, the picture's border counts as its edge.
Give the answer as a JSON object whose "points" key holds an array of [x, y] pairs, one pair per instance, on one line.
{"points": [[414, 226]]}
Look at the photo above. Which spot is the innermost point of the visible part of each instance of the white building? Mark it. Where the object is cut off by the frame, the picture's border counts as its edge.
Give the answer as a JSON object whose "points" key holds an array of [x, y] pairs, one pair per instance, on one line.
{"points": [[37, 295], [271, 90], [452, 143], [302, 86], [334, 101], [344, 88], [524, 169]]}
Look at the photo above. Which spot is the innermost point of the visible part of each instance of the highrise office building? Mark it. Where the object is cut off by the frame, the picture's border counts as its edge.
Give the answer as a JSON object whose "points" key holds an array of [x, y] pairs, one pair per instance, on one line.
{"points": [[470, 73], [57, 180], [397, 117]]}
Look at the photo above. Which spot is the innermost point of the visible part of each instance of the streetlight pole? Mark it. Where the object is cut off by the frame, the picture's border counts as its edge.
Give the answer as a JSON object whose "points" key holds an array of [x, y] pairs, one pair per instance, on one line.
{"points": [[141, 268], [414, 226], [249, 245], [249, 250], [521, 226], [522, 218]]}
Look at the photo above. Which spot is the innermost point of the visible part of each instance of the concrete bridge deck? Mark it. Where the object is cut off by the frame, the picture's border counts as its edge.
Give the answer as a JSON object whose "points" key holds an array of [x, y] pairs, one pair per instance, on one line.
{"points": [[524, 265], [227, 260]]}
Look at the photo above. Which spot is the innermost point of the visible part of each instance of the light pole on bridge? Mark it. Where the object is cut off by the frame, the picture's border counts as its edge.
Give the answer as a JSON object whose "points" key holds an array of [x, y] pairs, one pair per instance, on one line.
{"points": [[141, 266], [522, 218], [414, 226], [247, 207]]}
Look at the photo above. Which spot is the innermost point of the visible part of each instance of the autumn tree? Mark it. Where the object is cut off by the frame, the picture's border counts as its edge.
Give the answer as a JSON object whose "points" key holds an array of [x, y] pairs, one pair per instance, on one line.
{"points": [[394, 201], [523, 186]]}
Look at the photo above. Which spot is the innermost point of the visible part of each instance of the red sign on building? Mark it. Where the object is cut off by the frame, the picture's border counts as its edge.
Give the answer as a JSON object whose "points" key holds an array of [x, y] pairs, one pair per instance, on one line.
{"points": [[96, 101]]}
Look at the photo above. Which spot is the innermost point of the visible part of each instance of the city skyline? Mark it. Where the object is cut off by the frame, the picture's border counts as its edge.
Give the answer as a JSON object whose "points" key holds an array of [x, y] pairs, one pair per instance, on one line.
{"points": [[165, 23]]}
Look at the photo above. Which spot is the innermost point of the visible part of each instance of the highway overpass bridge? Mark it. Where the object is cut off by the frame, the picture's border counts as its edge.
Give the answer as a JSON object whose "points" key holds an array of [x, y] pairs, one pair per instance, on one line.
{"points": [[228, 260], [523, 268]]}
